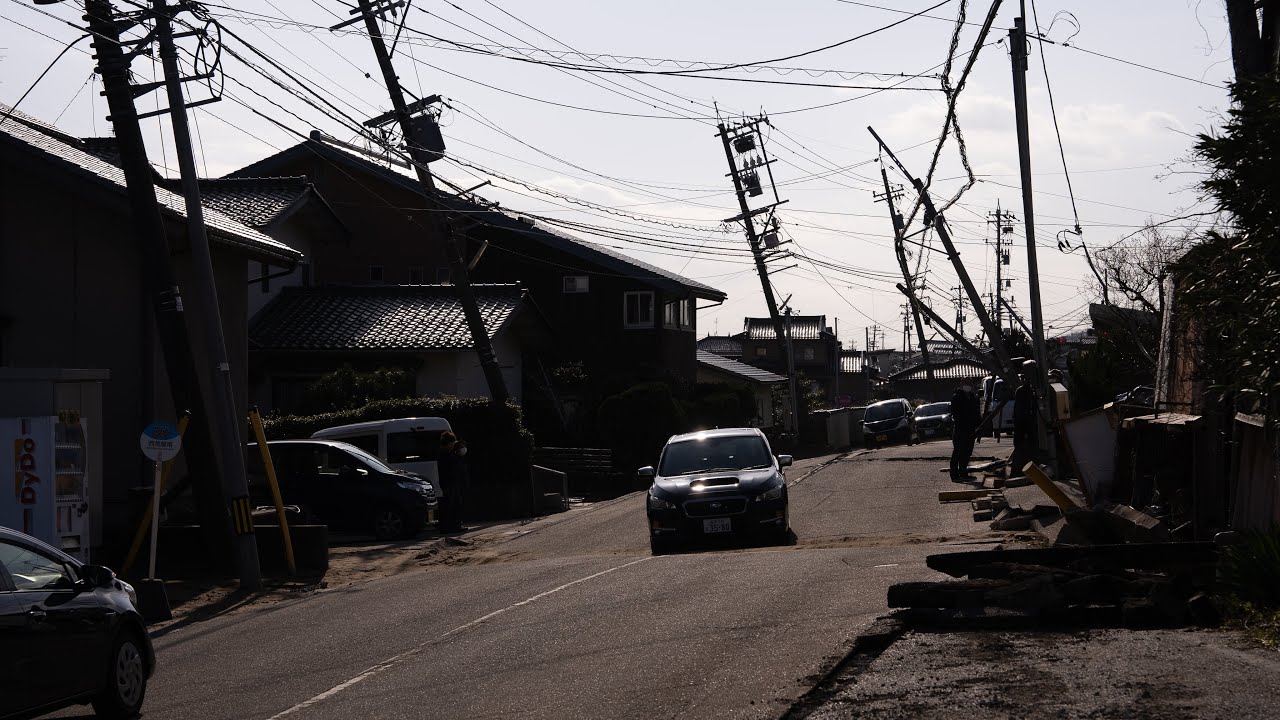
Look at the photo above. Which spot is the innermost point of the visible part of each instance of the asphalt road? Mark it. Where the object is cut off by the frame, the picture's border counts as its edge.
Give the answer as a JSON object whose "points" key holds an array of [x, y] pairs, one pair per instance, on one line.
{"points": [[570, 616]]}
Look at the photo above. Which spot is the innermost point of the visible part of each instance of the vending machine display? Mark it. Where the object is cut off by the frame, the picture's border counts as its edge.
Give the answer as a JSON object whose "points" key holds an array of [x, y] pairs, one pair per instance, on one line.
{"points": [[49, 495]]}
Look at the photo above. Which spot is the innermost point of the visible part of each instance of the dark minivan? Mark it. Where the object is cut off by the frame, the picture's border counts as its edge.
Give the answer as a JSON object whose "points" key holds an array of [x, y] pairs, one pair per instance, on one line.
{"points": [[888, 422], [344, 486], [70, 634]]}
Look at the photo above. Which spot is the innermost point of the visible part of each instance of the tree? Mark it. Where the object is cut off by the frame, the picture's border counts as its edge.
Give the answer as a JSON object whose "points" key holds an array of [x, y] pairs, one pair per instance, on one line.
{"points": [[1255, 37], [1132, 273], [345, 389]]}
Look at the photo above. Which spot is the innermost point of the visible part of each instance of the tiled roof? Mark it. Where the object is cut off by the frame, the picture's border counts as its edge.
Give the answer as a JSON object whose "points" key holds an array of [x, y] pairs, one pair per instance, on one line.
{"points": [[256, 202], [386, 318], [803, 327], [742, 370], [43, 142], [729, 346], [607, 259], [954, 369]]}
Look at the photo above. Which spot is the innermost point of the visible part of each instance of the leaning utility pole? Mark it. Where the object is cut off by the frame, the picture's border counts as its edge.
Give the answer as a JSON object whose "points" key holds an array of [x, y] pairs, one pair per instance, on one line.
{"points": [[742, 139], [1018, 54], [935, 219], [900, 249], [438, 220], [158, 276], [225, 419]]}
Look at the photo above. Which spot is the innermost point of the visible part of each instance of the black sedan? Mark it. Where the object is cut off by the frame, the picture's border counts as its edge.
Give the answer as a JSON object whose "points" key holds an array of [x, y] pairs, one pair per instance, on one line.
{"points": [[715, 483], [70, 634], [889, 421], [934, 420]]}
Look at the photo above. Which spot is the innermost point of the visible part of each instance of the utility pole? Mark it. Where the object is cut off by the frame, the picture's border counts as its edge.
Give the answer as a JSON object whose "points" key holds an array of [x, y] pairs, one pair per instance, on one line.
{"points": [[158, 275], [939, 223], [958, 302], [906, 326], [1000, 220], [890, 197], [225, 420], [439, 219], [1018, 55], [741, 139]]}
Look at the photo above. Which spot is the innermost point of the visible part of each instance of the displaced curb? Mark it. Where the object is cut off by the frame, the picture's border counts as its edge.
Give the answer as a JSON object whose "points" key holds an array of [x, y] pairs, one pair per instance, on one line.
{"points": [[868, 646], [820, 466]]}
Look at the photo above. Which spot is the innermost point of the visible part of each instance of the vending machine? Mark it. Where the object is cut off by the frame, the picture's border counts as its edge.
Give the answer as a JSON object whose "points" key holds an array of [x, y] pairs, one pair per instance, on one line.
{"points": [[49, 495]]}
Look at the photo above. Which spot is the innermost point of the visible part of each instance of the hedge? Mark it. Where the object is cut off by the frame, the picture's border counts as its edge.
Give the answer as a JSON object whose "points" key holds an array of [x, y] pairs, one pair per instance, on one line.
{"points": [[500, 449]]}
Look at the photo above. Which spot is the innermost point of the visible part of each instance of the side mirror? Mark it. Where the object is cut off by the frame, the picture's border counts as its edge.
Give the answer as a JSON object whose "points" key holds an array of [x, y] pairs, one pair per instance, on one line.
{"points": [[784, 461], [646, 473], [96, 576]]}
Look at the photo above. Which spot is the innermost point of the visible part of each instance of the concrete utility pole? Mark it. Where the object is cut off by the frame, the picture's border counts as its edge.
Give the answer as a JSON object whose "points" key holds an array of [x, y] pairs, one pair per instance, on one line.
{"points": [[900, 249], [1018, 55], [438, 220], [1000, 220], [225, 420], [158, 275], [746, 135], [939, 223]]}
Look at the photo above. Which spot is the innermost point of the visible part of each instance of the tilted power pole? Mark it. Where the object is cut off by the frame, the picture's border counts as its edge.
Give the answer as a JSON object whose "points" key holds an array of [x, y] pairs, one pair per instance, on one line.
{"points": [[900, 249], [1018, 55], [158, 274], [439, 220], [225, 420]]}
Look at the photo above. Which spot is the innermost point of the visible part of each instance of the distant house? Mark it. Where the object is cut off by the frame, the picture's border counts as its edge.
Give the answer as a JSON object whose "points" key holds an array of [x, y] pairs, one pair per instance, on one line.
{"points": [[913, 383], [729, 346], [814, 346], [73, 302], [713, 368], [306, 332], [856, 385], [626, 321]]}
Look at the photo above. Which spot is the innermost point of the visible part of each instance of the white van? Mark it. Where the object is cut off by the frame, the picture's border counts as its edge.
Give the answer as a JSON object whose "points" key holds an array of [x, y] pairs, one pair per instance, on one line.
{"points": [[994, 390], [410, 444]]}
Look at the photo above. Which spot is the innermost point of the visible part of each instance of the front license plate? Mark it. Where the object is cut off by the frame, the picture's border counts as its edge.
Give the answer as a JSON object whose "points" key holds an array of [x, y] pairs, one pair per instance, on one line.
{"points": [[882, 438], [928, 431], [717, 525]]}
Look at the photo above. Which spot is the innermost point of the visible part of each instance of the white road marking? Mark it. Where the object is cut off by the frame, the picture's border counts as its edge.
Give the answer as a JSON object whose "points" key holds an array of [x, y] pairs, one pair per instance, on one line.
{"points": [[887, 565], [396, 659]]}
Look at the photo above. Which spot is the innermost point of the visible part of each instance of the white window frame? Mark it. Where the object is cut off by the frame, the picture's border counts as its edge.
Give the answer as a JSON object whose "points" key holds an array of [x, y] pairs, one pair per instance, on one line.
{"points": [[644, 299], [576, 284]]}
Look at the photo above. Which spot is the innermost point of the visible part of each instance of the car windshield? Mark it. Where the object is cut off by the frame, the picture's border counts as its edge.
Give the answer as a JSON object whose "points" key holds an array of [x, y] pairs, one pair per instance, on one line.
{"points": [[712, 454], [940, 408], [884, 411]]}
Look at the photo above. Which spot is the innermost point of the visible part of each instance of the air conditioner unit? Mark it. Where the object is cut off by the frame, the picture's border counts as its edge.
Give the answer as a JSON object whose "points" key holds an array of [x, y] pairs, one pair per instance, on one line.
{"points": [[574, 284]]}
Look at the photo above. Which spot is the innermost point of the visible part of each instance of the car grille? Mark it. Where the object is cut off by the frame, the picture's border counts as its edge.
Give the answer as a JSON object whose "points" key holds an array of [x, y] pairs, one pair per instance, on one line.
{"points": [[929, 423], [713, 507]]}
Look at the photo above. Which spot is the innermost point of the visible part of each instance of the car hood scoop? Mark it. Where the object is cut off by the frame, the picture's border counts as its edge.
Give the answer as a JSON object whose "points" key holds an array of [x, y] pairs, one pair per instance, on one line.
{"points": [[713, 482]]}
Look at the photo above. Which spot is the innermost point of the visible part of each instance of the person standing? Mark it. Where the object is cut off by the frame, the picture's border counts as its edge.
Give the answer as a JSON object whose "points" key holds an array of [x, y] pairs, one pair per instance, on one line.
{"points": [[455, 479], [1024, 414], [965, 419]]}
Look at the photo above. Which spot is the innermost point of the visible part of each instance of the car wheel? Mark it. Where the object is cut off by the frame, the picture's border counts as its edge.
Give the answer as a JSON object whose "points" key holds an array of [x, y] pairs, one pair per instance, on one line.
{"points": [[660, 546], [389, 523], [126, 679]]}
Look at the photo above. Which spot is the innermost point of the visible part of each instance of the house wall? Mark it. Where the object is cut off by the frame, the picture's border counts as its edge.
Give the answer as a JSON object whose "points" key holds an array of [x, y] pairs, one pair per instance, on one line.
{"points": [[296, 235], [72, 292]]}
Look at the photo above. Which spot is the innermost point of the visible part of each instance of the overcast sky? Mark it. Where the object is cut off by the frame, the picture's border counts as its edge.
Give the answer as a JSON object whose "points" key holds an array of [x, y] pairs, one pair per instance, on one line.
{"points": [[639, 153]]}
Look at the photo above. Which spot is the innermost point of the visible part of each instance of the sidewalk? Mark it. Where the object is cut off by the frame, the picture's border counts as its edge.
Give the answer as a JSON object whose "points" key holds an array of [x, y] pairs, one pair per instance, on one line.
{"points": [[1084, 673]]}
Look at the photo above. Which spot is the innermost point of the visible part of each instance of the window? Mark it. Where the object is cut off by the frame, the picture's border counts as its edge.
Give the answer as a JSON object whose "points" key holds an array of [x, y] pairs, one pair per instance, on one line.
{"points": [[678, 314], [574, 284], [762, 351], [637, 310], [686, 313], [807, 353], [375, 273], [33, 571], [264, 277], [367, 443], [413, 446], [416, 275]]}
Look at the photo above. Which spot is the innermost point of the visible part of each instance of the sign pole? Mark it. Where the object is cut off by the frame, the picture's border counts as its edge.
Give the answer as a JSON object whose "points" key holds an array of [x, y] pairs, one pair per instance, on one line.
{"points": [[155, 519]]}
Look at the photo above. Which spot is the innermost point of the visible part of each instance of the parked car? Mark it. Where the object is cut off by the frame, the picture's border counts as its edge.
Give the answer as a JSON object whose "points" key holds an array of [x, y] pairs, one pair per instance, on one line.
{"points": [[70, 634], [934, 419], [344, 486], [717, 482], [409, 444], [889, 421], [1141, 396]]}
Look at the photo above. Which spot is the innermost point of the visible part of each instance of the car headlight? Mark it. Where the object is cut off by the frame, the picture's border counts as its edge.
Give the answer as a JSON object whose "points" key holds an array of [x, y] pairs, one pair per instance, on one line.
{"points": [[420, 488], [657, 503], [128, 590], [772, 493]]}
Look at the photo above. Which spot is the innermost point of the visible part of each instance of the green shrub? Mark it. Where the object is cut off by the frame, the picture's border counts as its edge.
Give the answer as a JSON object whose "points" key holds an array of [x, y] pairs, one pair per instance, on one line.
{"points": [[346, 389], [1250, 570], [637, 422], [500, 449], [721, 405]]}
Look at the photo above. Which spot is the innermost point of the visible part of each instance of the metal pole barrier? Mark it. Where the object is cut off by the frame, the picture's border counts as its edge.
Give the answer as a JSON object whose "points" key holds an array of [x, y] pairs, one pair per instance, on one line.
{"points": [[255, 419]]}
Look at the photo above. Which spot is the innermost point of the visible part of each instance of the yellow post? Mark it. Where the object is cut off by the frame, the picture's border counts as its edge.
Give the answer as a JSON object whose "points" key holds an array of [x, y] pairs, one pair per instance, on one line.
{"points": [[255, 419], [1045, 483], [145, 525]]}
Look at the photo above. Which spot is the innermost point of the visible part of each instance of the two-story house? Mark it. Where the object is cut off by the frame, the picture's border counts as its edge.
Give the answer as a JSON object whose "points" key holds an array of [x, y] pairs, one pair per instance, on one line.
{"points": [[814, 347]]}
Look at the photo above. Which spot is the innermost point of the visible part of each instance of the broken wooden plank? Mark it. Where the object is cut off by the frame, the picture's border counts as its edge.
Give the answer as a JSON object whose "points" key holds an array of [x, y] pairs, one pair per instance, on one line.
{"points": [[1146, 556], [1045, 483], [961, 495]]}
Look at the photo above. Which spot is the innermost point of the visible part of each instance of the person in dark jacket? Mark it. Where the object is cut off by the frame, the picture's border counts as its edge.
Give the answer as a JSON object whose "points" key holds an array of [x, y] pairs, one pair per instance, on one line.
{"points": [[455, 480], [965, 417], [1024, 412]]}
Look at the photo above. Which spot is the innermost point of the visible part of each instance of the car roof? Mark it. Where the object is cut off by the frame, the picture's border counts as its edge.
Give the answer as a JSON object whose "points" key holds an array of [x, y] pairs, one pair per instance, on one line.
{"points": [[22, 538], [305, 441], [718, 432], [886, 402], [412, 423]]}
